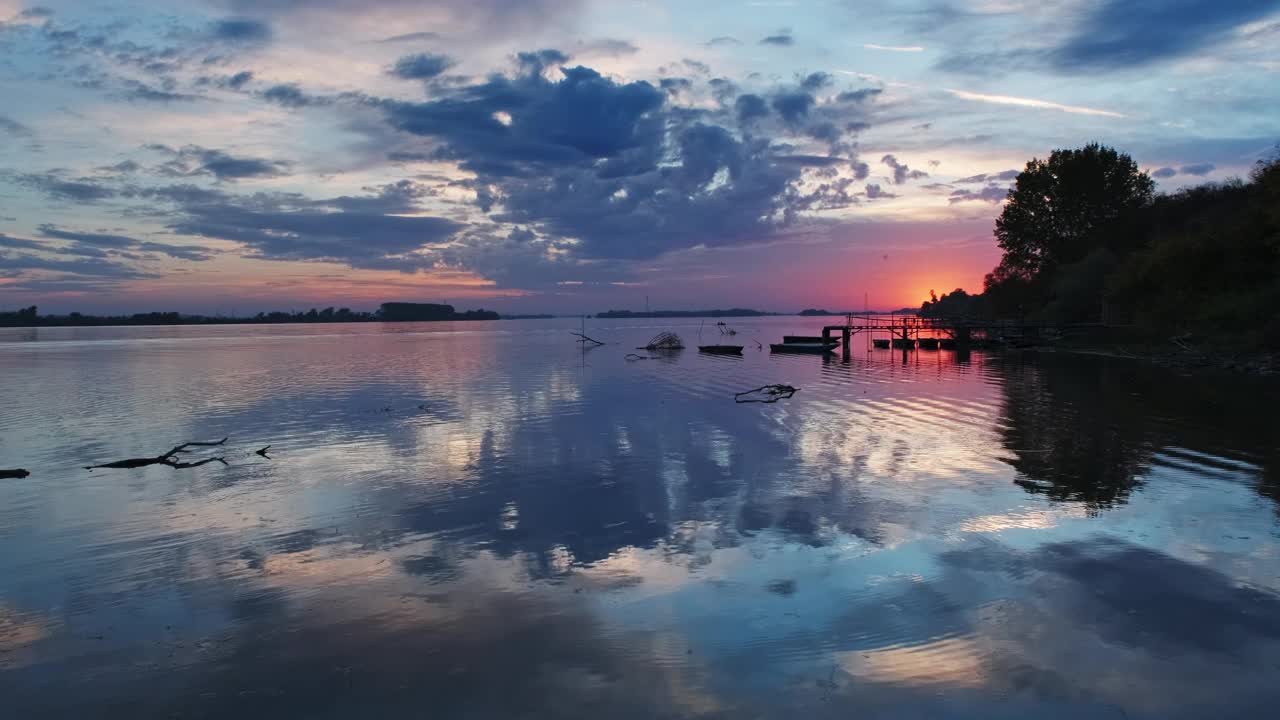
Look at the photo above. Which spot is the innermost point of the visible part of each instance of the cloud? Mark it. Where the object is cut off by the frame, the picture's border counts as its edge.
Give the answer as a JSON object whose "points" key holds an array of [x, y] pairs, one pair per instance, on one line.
{"points": [[90, 244], [875, 192], [239, 80], [1132, 33], [608, 47], [13, 127], [1003, 176], [793, 106], [990, 193], [902, 173], [411, 37], [749, 107], [422, 66], [1164, 173], [20, 243], [53, 185], [815, 81], [241, 30], [191, 160], [87, 267], [367, 231], [289, 95], [857, 96], [1199, 169], [723, 41], [783, 39], [1032, 103], [893, 48]]}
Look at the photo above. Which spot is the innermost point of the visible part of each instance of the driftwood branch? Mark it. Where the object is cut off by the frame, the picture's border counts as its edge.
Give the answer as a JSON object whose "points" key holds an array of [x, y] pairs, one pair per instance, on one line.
{"points": [[170, 458], [11, 474], [766, 394], [585, 339]]}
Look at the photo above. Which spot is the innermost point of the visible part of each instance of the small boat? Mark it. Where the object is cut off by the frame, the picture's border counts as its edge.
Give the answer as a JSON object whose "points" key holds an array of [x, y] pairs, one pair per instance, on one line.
{"points": [[881, 343], [807, 347], [721, 349]]}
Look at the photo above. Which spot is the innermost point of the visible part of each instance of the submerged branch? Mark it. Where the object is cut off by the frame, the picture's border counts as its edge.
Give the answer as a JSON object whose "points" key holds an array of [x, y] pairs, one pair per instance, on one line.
{"points": [[766, 394], [8, 474], [585, 339], [169, 458]]}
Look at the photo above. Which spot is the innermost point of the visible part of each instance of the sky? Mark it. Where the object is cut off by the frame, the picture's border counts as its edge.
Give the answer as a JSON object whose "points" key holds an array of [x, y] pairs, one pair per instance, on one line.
{"points": [[565, 156]]}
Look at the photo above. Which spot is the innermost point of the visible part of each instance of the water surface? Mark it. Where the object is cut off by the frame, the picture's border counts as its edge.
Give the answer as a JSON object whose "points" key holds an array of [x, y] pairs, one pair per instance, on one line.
{"points": [[477, 520]]}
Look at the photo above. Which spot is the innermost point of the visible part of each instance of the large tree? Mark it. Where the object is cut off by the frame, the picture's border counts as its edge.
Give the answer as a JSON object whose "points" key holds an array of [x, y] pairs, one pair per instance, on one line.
{"points": [[1061, 209]]}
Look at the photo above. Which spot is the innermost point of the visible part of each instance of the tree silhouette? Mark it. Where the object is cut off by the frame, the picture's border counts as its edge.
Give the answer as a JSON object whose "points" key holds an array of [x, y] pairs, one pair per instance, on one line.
{"points": [[1058, 207]]}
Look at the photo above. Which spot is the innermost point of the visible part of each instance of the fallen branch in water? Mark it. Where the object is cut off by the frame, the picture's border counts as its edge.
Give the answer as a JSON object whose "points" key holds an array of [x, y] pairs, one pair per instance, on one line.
{"points": [[766, 394], [585, 339], [170, 458], [9, 474], [664, 341]]}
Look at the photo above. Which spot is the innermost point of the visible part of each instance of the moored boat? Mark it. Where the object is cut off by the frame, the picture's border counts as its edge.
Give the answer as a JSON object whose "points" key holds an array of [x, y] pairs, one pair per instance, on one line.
{"points": [[806, 347], [721, 349]]}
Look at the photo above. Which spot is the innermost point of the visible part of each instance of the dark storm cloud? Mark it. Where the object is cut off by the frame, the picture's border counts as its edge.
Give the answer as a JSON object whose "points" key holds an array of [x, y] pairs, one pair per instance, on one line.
{"points": [[793, 106], [1199, 169], [1164, 173], [613, 167], [1130, 33], [241, 30], [902, 173], [195, 160], [749, 107], [576, 172], [421, 66]]}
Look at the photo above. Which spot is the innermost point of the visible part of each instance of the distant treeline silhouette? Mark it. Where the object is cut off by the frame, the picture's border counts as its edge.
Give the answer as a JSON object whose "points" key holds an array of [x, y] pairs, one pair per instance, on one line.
{"points": [[387, 312], [1086, 239], [732, 312]]}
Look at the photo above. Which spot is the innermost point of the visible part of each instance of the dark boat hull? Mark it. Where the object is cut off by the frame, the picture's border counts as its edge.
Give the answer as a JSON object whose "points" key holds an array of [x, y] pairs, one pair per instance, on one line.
{"points": [[721, 349], [803, 348]]}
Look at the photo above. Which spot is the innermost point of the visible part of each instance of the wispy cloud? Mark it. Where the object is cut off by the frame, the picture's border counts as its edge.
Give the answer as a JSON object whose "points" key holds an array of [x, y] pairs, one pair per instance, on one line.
{"points": [[893, 48], [1032, 103]]}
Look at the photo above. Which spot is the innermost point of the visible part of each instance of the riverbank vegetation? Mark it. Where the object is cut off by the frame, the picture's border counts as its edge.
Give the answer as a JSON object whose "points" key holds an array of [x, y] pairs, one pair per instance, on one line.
{"points": [[388, 312], [1087, 240]]}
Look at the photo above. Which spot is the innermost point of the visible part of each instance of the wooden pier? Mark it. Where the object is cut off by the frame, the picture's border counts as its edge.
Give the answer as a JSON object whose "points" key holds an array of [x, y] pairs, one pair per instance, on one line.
{"points": [[906, 332]]}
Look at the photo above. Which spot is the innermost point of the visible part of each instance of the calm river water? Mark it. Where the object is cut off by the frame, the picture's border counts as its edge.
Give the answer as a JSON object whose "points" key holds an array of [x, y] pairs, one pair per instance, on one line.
{"points": [[476, 520]]}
